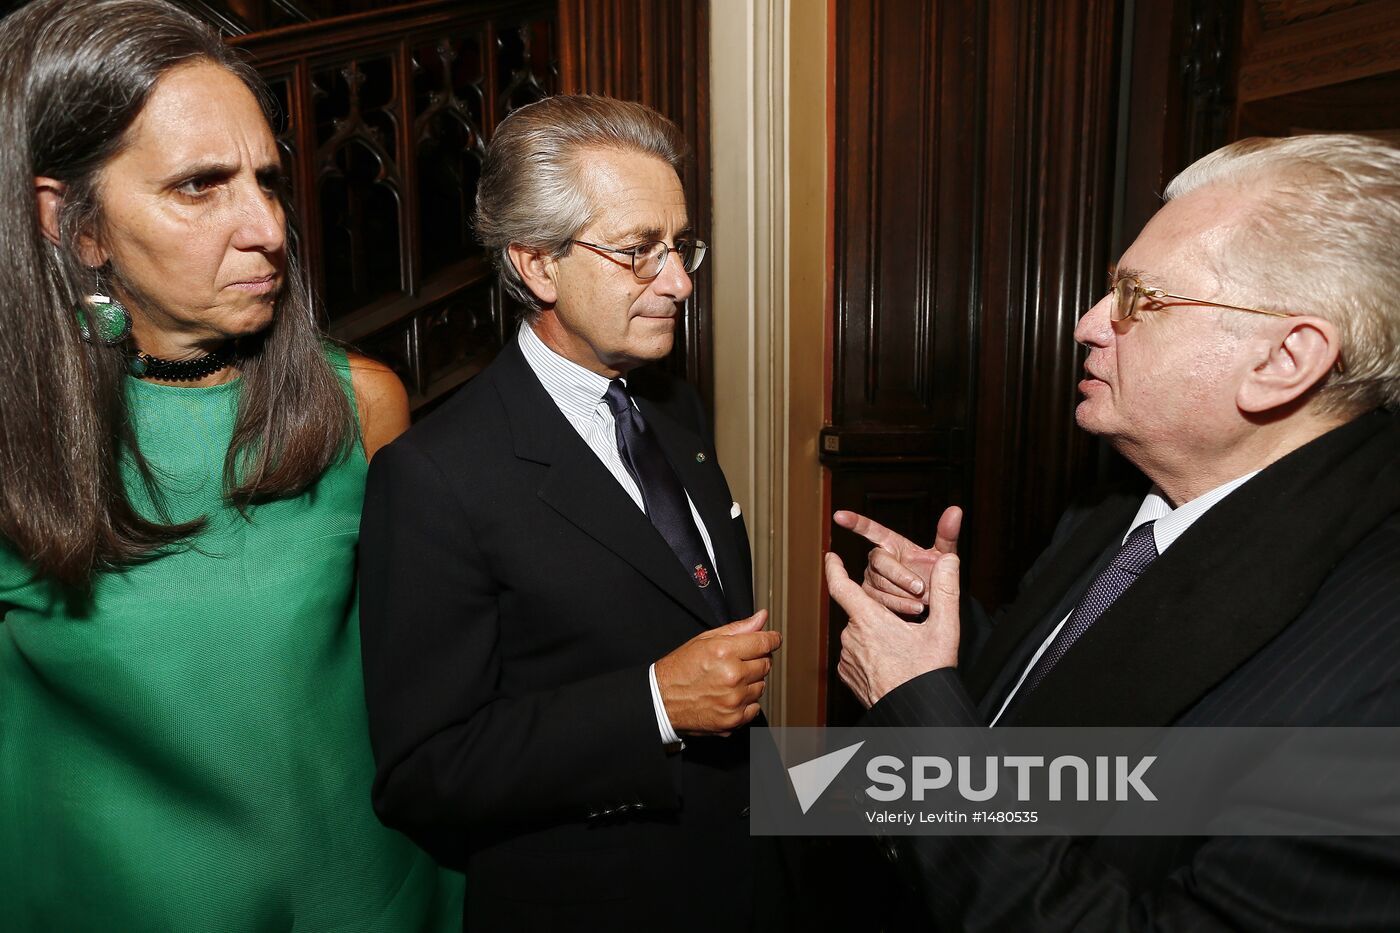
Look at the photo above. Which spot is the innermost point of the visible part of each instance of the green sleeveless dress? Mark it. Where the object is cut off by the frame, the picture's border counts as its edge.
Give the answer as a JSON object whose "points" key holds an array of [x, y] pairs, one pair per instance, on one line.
{"points": [[186, 750]]}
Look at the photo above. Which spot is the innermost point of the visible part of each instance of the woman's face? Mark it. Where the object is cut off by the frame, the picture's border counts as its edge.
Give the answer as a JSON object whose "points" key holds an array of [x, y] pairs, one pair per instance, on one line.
{"points": [[191, 221]]}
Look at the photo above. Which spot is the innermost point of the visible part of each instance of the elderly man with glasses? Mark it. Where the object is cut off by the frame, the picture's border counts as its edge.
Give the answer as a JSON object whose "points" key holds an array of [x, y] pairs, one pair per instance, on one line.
{"points": [[1246, 360], [562, 656]]}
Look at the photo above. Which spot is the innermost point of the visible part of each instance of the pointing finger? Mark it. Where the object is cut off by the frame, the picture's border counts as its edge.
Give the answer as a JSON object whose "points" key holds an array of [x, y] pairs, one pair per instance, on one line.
{"points": [[870, 530]]}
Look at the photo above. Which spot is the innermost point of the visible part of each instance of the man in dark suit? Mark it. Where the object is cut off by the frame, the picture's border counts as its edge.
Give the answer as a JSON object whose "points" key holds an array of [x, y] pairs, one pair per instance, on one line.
{"points": [[1247, 361], [561, 651]]}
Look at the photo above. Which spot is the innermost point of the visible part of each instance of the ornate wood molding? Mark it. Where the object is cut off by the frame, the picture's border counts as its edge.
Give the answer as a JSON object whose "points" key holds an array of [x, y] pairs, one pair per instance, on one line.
{"points": [[1342, 45]]}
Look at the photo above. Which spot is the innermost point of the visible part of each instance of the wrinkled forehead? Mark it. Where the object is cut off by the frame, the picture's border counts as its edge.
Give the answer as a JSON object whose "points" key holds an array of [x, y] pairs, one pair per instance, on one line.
{"points": [[632, 194], [198, 107], [1195, 234]]}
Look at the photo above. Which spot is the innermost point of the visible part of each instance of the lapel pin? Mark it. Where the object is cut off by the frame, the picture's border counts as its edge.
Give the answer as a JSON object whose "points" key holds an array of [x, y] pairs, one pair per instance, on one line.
{"points": [[702, 576], [700, 458]]}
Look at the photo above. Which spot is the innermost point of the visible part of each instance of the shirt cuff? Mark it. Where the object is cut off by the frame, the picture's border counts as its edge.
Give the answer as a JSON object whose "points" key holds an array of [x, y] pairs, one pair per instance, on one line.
{"points": [[663, 722]]}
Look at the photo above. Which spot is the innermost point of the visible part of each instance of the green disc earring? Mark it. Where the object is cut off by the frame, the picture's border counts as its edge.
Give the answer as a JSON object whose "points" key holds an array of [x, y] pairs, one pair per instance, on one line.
{"points": [[103, 319]]}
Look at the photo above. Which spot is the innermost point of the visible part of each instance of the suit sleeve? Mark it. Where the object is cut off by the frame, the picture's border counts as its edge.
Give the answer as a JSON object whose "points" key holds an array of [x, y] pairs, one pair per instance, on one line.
{"points": [[453, 754], [1054, 883]]}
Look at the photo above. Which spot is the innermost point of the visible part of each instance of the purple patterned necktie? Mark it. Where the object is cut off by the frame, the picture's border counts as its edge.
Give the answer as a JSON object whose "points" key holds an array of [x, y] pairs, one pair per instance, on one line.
{"points": [[1136, 553], [664, 497]]}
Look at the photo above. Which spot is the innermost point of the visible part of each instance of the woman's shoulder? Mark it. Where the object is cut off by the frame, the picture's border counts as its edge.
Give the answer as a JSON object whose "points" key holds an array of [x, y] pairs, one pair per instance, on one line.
{"points": [[380, 399]]}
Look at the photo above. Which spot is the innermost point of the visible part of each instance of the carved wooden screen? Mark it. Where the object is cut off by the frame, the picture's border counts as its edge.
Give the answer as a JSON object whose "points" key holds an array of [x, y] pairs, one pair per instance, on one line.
{"points": [[384, 120]]}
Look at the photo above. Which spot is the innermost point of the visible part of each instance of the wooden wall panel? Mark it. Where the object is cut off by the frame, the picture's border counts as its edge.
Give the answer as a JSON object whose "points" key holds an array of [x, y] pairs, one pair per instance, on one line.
{"points": [[973, 202], [1050, 107], [904, 217], [658, 54], [905, 222]]}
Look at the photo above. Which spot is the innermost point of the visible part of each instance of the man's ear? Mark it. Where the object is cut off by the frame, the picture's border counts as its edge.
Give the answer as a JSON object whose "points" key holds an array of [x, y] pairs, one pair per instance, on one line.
{"points": [[537, 269], [48, 197], [1298, 359]]}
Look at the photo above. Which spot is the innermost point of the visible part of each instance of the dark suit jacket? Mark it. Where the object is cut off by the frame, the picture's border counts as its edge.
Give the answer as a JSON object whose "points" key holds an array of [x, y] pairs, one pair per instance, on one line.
{"points": [[1280, 606], [512, 598]]}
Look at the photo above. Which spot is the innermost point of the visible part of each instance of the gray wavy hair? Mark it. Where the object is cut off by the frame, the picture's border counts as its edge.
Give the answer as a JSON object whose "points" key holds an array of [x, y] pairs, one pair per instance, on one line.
{"points": [[1321, 239], [533, 191]]}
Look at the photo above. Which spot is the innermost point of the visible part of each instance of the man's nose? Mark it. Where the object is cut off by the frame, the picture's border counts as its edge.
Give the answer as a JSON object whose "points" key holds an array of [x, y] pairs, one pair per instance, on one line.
{"points": [[673, 281], [1095, 329]]}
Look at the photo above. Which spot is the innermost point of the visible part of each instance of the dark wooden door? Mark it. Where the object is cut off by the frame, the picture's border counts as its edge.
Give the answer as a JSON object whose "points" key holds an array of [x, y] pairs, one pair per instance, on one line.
{"points": [[973, 201]]}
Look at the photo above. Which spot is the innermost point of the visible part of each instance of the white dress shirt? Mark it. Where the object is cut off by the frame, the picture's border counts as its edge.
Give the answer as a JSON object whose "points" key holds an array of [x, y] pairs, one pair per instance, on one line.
{"points": [[1171, 524], [579, 394]]}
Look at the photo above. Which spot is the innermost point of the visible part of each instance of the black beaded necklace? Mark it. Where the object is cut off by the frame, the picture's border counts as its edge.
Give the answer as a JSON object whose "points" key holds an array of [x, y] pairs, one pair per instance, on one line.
{"points": [[144, 366]]}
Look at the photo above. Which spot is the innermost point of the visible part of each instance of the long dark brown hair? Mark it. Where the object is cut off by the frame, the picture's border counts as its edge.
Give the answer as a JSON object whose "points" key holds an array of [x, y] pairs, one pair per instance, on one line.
{"points": [[74, 76]]}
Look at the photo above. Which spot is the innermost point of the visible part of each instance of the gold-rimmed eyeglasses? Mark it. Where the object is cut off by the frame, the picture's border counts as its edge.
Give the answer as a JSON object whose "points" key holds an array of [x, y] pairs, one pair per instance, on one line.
{"points": [[1128, 292], [649, 259]]}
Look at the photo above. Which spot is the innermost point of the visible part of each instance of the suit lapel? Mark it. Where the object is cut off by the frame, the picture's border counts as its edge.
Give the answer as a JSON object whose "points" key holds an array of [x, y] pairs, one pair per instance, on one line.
{"points": [[581, 489], [1160, 647], [1228, 586]]}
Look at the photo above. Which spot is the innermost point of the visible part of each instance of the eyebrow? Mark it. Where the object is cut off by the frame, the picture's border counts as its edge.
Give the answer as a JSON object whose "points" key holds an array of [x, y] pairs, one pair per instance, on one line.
{"points": [[1117, 273], [648, 234], [218, 170]]}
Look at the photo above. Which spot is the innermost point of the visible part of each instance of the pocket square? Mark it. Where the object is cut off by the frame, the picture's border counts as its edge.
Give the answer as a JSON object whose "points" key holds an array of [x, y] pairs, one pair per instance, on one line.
{"points": [[734, 510]]}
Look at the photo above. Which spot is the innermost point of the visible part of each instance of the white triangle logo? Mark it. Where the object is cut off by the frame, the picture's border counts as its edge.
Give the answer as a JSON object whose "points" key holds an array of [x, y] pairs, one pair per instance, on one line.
{"points": [[811, 778]]}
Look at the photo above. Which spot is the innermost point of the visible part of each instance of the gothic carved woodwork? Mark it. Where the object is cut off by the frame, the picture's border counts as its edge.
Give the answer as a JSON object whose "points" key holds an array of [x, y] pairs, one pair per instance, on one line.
{"points": [[384, 119]]}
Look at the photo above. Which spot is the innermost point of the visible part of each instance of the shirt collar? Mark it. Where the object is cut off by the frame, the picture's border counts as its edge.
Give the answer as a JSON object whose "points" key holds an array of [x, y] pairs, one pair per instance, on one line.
{"points": [[576, 390], [1172, 523]]}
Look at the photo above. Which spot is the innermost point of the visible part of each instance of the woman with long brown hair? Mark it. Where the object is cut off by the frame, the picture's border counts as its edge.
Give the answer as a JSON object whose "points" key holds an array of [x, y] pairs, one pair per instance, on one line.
{"points": [[182, 456]]}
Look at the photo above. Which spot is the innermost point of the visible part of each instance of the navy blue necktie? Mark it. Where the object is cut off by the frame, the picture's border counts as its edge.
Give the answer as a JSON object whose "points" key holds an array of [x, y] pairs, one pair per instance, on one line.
{"points": [[663, 496], [1132, 558]]}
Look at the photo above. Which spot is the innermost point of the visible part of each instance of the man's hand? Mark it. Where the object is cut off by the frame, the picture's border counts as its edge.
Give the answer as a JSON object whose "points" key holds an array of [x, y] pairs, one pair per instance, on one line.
{"points": [[879, 650], [711, 684], [897, 568]]}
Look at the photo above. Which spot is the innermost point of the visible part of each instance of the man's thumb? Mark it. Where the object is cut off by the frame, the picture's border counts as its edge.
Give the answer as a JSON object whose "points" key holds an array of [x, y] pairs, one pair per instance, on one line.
{"points": [[943, 582], [753, 623]]}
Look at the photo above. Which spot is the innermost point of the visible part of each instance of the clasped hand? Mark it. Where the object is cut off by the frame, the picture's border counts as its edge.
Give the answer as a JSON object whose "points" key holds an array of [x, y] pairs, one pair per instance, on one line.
{"points": [[879, 650], [712, 683]]}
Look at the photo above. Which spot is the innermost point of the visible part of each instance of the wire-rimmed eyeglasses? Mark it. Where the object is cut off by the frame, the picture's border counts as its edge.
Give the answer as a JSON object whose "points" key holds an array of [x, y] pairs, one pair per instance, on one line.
{"points": [[1128, 292], [648, 259]]}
